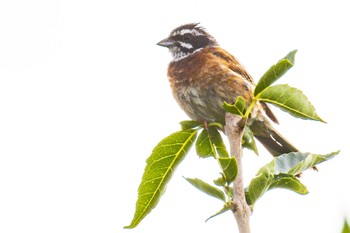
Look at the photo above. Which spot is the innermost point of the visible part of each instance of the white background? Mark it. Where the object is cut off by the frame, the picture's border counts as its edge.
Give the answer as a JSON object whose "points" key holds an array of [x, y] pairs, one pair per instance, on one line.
{"points": [[84, 98]]}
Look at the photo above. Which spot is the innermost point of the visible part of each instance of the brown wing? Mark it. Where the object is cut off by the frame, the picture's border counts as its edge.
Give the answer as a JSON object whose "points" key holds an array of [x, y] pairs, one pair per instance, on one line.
{"points": [[234, 65]]}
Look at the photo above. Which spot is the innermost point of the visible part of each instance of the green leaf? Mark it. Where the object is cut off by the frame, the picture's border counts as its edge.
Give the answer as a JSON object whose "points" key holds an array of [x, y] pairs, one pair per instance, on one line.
{"points": [[207, 188], [239, 107], [247, 198], [229, 168], [275, 72], [289, 182], [248, 140], [290, 100], [204, 146], [223, 210], [216, 125], [346, 227], [185, 125], [220, 181], [218, 143], [210, 143], [166, 156], [296, 162], [281, 172], [261, 183]]}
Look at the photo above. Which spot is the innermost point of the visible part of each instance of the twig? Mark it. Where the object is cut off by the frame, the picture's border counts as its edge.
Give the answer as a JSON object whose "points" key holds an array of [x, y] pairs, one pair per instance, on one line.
{"points": [[234, 130]]}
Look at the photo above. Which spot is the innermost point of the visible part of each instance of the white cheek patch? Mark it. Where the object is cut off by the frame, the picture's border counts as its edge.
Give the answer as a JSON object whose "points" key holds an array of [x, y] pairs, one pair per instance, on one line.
{"points": [[186, 45]]}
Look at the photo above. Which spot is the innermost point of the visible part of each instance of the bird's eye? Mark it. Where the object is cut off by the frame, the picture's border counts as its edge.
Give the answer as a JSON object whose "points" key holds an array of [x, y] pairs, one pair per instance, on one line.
{"points": [[187, 37]]}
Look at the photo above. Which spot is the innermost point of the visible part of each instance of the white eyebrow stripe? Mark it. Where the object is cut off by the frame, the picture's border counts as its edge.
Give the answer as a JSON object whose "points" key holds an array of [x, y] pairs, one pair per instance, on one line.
{"points": [[191, 31]]}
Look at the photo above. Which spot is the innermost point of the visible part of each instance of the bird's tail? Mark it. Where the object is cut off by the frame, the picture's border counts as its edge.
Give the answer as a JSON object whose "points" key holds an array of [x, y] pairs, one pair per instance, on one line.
{"points": [[272, 140]]}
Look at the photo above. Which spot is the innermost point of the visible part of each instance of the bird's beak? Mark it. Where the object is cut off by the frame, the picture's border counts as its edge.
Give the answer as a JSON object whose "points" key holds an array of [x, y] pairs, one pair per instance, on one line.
{"points": [[166, 43]]}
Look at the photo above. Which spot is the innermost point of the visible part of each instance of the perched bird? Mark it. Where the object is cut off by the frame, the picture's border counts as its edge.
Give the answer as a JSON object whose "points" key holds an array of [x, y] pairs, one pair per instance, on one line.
{"points": [[202, 76]]}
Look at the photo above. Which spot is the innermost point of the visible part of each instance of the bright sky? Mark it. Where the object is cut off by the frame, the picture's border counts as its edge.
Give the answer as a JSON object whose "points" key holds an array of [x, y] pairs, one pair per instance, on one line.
{"points": [[84, 98]]}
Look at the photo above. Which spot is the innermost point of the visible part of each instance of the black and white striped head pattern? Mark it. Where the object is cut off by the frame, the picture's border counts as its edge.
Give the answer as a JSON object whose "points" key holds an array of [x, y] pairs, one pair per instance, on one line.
{"points": [[186, 40]]}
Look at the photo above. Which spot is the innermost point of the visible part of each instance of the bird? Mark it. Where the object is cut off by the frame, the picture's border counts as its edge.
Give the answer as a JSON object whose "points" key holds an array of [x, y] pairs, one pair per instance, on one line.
{"points": [[203, 76]]}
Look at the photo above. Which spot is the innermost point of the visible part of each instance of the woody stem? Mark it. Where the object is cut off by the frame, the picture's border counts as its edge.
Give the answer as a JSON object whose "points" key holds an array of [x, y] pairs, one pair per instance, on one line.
{"points": [[234, 130]]}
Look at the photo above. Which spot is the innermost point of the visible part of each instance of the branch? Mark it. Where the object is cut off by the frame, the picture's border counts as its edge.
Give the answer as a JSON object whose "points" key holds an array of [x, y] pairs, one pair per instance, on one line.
{"points": [[234, 131]]}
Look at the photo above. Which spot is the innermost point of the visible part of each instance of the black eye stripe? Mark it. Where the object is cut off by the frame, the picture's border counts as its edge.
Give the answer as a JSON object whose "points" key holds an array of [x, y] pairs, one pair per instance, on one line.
{"points": [[177, 37], [187, 36]]}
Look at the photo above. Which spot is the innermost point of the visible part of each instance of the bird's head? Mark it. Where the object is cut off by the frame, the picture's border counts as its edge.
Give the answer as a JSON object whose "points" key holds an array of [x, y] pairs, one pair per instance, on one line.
{"points": [[186, 40]]}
